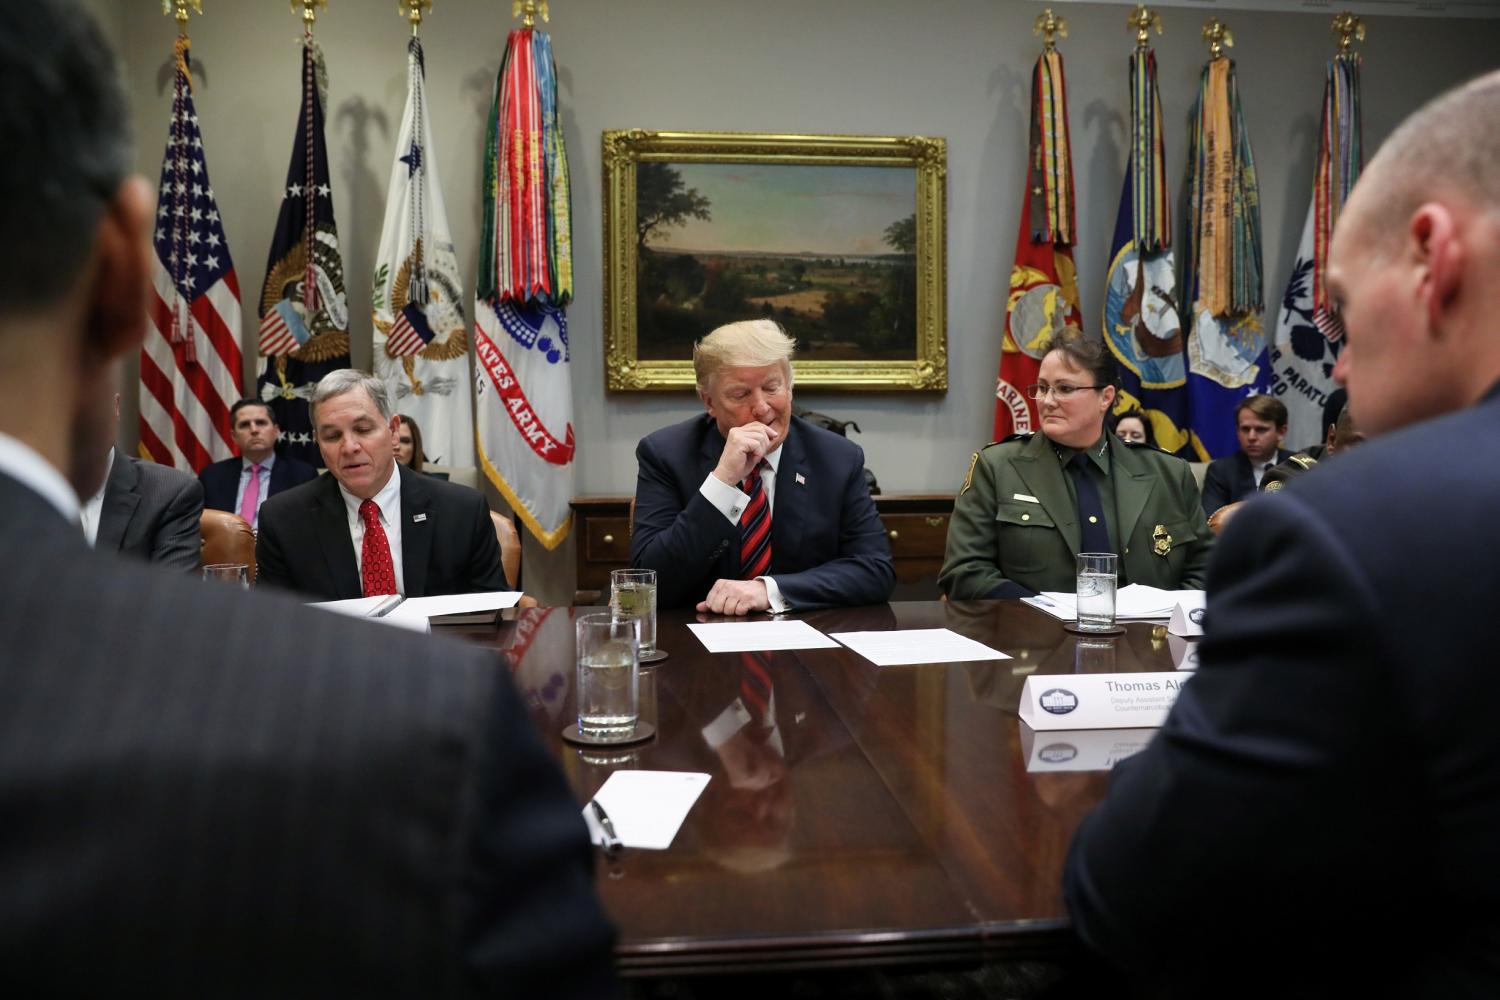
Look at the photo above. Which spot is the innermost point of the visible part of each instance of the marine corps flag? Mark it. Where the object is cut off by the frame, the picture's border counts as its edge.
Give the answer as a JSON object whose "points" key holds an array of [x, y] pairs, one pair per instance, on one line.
{"points": [[1142, 325], [421, 340], [1043, 282], [523, 394], [1308, 334], [190, 360], [304, 315], [1226, 343]]}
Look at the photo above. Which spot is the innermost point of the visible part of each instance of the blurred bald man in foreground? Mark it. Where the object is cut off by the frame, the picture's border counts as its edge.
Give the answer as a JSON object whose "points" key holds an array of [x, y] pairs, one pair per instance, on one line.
{"points": [[1319, 814]]}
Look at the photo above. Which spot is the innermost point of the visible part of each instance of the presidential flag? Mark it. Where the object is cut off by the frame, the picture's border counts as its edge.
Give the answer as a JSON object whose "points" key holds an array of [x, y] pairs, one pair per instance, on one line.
{"points": [[421, 339], [1141, 323], [304, 314], [190, 361], [523, 395], [1226, 343], [1308, 333], [1043, 281]]}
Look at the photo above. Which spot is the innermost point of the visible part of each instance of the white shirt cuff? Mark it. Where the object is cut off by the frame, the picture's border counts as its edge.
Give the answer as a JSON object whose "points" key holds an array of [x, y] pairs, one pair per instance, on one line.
{"points": [[727, 500], [773, 594]]}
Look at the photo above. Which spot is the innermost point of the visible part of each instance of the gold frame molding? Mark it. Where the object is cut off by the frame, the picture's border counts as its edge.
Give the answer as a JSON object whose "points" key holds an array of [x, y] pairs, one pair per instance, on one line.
{"points": [[625, 148]]}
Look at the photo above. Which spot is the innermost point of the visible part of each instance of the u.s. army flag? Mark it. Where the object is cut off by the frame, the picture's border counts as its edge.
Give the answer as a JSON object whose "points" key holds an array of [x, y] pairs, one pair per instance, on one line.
{"points": [[421, 343]]}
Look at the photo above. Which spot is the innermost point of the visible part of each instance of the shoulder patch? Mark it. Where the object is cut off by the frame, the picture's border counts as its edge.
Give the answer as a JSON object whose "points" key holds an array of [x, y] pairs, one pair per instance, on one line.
{"points": [[1306, 461], [969, 477]]}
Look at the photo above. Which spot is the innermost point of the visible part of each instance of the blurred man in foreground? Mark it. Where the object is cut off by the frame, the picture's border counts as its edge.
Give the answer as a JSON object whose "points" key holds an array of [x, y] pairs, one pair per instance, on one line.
{"points": [[1317, 816]]}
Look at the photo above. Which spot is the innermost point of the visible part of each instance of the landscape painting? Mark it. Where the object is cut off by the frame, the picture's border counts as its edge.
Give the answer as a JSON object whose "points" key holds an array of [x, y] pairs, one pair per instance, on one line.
{"points": [[826, 240]]}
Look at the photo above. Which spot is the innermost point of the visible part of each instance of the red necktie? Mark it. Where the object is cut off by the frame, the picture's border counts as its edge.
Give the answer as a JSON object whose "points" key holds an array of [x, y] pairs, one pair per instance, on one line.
{"points": [[755, 528], [376, 569]]}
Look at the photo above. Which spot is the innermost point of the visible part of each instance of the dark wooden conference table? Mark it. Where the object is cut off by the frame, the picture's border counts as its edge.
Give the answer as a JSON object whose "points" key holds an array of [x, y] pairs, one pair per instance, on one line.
{"points": [[897, 825]]}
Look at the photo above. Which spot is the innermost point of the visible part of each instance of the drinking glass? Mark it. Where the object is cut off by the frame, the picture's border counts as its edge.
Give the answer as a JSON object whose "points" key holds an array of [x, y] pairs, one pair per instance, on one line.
{"points": [[632, 594], [608, 677], [1096, 591], [228, 573]]}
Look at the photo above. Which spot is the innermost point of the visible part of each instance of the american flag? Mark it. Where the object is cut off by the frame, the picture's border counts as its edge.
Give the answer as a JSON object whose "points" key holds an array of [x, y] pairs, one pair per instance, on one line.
{"points": [[190, 362], [410, 333]]}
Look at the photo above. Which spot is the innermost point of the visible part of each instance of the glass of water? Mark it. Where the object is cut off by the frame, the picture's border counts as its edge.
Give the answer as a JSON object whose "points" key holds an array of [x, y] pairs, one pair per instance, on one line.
{"points": [[1096, 591], [632, 594], [236, 573], [608, 677]]}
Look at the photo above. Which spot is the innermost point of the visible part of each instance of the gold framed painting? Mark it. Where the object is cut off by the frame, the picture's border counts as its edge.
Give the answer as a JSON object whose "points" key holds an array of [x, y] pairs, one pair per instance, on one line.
{"points": [[839, 238]]}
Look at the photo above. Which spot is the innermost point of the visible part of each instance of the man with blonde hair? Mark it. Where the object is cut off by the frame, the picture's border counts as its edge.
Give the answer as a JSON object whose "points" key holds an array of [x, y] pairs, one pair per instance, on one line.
{"points": [[1318, 814], [747, 508]]}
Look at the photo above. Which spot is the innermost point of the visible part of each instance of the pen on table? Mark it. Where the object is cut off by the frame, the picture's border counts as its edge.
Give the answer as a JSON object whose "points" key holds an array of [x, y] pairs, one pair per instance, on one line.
{"points": [[612, 842]]}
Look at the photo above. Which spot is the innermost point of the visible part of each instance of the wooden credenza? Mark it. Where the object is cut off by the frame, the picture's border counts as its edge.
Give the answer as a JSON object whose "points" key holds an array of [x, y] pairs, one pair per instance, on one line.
{"points": [[915, 523]]}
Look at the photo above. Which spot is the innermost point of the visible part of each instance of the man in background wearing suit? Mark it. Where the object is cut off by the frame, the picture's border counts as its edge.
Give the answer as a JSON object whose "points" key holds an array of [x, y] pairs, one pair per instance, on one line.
{"points": [[372, 526], [1318, 814], [1261, 423], [747, 508], [145, 510], [197, 804], [240, 485]]}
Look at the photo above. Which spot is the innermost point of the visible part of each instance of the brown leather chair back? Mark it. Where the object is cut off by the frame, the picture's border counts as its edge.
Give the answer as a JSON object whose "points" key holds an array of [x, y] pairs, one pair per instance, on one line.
{"points": [[1219, 519], [510, 548], [227, 538]]}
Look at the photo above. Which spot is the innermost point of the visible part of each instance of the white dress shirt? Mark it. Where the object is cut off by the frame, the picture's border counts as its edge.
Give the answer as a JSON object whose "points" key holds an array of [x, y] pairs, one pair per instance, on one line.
{"points": [[91, 508], [389, 502], [731, 502], [26, 466]]}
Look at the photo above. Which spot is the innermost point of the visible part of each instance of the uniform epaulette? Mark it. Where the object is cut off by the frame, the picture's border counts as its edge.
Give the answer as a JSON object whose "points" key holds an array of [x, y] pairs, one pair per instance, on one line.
{"points": [[1306, 461], [1018, 436], [1146, 446]]}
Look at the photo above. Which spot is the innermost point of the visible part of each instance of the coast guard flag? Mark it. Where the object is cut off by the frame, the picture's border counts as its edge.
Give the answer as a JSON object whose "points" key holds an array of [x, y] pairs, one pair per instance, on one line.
{"points": [[1308, 333], [1142, 325], [421, 340], [1043, 281], [523, 396], [304, 314], [1226, 343], [190, 360]]}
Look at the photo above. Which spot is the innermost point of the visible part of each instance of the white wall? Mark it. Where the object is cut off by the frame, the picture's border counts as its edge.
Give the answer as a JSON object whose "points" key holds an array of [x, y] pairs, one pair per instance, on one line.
{"points": [[954, 68]]}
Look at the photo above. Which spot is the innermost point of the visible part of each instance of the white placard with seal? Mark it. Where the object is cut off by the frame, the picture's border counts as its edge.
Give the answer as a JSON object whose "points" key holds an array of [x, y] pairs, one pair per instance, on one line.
{"points": [[1187, 614], [1081, 749], [1099, 701]]}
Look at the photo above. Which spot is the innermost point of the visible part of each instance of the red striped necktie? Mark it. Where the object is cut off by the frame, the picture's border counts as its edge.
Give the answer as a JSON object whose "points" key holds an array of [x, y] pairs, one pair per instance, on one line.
{"points": [[755, 528]]}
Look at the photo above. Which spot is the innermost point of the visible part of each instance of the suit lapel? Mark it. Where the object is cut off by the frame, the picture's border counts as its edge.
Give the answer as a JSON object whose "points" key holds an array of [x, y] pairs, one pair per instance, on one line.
{"points": [[332, 520], [789, 511], [416, 532], [1039, 469], [1133, 485], [121, 498]]}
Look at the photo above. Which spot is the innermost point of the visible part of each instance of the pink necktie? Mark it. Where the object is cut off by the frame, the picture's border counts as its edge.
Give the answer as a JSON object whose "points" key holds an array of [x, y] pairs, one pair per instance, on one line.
{"points": [[250, 502]]}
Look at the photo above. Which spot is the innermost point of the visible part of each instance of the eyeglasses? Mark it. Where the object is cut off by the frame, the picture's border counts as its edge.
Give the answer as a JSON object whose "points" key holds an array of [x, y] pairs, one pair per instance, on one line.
{"points": [[1062, 392]]}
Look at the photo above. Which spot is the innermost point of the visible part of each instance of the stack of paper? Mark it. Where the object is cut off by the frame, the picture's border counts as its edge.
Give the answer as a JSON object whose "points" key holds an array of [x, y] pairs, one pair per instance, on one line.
{"points": [[417, 613], [1136, 602]]}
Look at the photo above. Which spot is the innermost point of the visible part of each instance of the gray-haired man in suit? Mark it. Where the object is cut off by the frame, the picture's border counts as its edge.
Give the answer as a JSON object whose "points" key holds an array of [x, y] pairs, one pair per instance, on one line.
{"points": [[198, 804]]}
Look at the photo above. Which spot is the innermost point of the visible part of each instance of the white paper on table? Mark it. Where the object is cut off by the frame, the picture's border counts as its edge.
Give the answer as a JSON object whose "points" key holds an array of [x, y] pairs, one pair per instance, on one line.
{"points": [[1134, 602], [369, 609], [459, 604], [646, 808], [917, 645], [753, 637], [358, 607]]}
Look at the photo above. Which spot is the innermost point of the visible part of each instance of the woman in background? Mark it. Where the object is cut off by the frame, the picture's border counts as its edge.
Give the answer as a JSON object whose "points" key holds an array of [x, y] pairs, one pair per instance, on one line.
{"points": [[1132, 428], [409, 444]]}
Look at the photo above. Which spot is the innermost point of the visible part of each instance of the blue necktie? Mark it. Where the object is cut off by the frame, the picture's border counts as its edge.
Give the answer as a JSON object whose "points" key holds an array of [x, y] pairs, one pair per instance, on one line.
{"points": [[1095, 534]]}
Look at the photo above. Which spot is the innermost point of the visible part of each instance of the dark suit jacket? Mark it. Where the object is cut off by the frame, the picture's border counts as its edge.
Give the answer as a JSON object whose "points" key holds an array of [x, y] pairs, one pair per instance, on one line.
{"points": [[1230, 478], [213, 792], [1321, 806], [827, 544], [151, 512], [221, 480], [448, 541]]}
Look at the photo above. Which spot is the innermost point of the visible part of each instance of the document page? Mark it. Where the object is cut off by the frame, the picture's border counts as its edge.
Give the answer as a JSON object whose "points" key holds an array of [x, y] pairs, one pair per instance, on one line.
{"points": [[753, 637], [459, 604], [917, 645], [646, 808]]}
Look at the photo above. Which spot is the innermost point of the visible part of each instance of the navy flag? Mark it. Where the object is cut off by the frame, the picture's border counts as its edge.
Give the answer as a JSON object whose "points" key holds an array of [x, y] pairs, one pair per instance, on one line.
{"points": [[304, 313]]}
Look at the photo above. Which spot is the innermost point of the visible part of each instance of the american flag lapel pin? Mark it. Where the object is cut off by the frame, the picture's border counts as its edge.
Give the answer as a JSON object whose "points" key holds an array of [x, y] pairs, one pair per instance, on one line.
{"points": [[801, 480], [418, 518]]}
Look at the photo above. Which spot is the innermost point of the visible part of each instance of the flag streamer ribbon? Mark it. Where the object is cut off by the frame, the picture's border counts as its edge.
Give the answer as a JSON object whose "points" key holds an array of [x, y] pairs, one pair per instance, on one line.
{"points": [[1340, 158], [1051, 164], [1224, 245], [1151, 213]]}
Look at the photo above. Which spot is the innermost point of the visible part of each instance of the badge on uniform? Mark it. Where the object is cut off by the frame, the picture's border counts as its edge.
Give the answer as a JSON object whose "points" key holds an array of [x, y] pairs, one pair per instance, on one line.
{"points": [[1161, 542], [969, 479]]}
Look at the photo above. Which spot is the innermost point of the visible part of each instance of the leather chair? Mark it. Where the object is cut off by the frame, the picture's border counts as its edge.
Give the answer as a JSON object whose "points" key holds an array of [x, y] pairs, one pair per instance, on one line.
{"points": [[510, 555], [1219, 519], [227, 538]]}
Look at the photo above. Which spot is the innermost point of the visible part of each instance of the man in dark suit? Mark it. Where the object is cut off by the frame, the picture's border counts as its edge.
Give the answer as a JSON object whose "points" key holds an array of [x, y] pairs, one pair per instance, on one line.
{"points": [[1261, 423], [198, 804], [240, 485], [748, 508], [149, 511], [1318, 815], [372, 526]]}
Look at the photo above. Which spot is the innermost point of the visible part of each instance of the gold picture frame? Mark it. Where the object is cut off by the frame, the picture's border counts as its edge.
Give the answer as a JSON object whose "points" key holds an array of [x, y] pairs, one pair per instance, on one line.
{"points": [[859, 292]]}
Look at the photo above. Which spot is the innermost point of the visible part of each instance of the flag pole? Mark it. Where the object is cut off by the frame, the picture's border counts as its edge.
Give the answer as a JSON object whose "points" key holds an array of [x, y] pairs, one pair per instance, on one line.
{"points": [[527, 11], [1349, 29], [1050, 28], [1216, 33], [310, 10], [180, 8], [1141, 21]]}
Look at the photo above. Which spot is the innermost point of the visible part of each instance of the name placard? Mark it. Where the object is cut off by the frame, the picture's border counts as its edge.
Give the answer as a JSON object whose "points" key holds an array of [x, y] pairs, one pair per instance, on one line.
{"points": [[1098, 701], [1081, 749]]}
